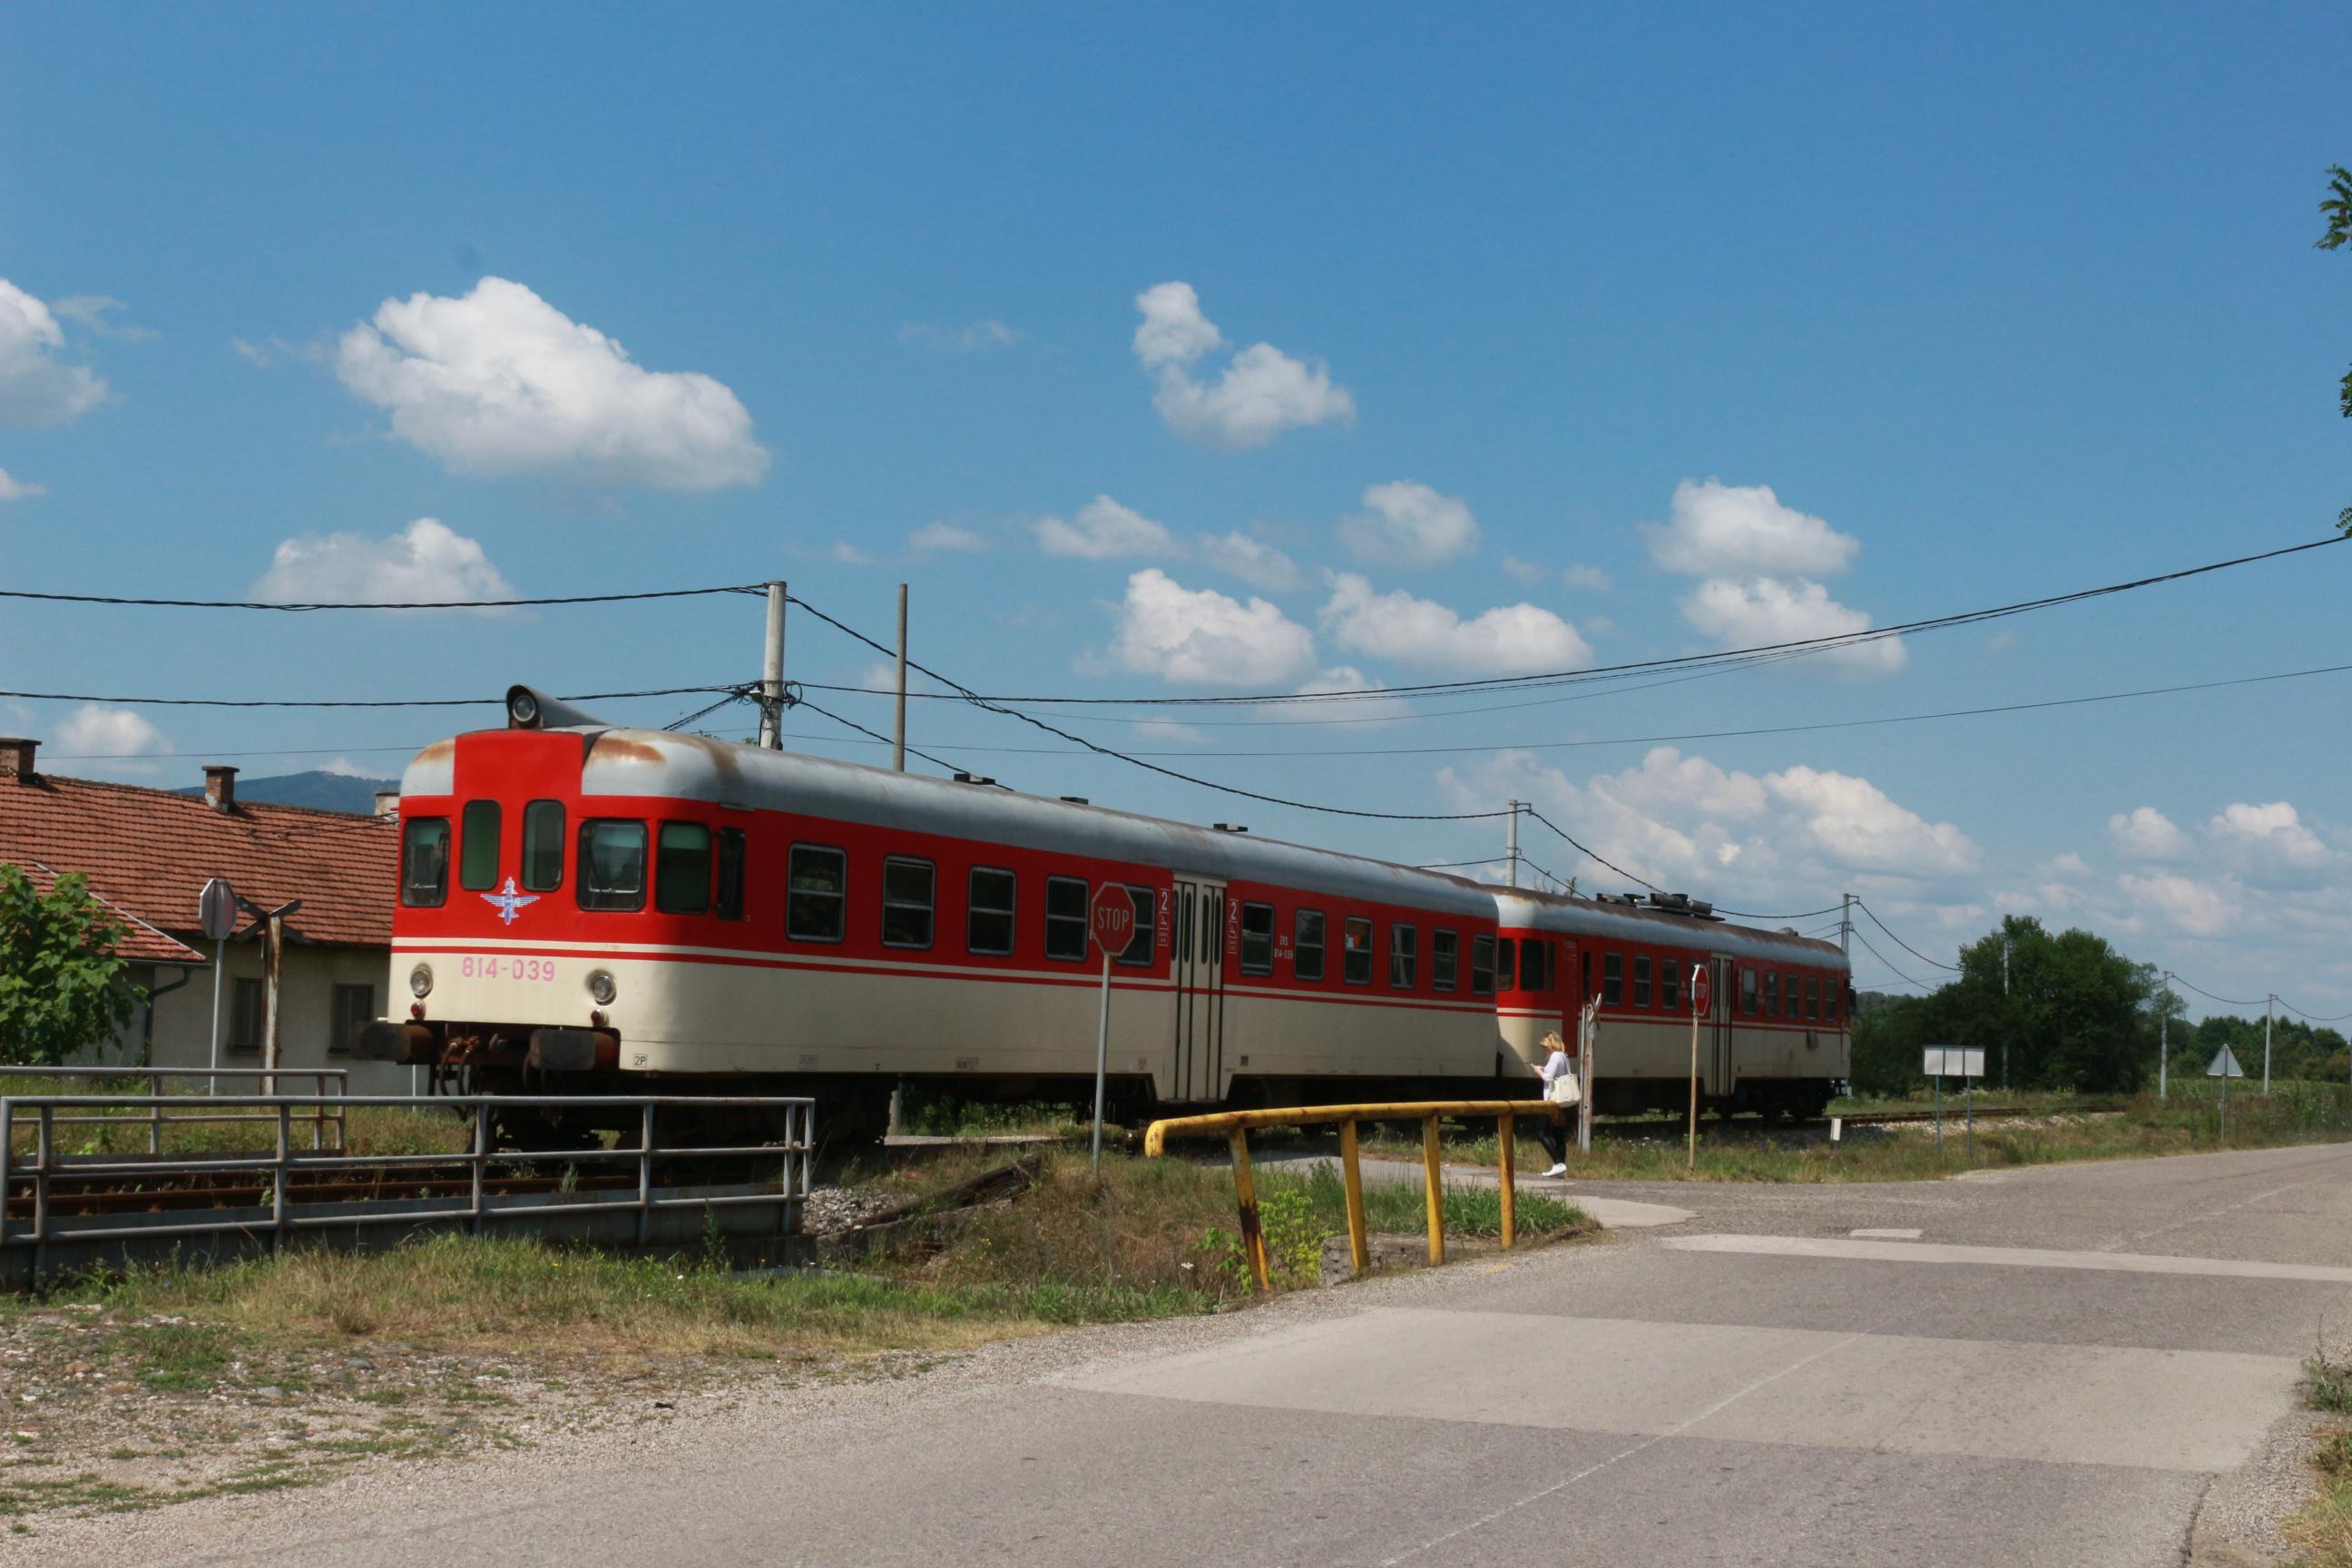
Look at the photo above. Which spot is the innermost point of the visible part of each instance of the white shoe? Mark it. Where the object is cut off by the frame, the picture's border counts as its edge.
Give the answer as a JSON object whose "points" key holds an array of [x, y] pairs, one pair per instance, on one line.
{"points": [[1557, 1171]]}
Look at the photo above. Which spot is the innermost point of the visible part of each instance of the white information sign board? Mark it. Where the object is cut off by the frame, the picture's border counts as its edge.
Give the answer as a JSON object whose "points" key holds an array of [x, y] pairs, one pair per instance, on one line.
{"points": [[1954, 1062]]}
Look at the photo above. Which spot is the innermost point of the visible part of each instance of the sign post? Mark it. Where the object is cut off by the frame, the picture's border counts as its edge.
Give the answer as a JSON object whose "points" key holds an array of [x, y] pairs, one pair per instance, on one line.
{"points": [[217, 912], [1698, 1000], [1112, 920], [1966, 1065], [2225, 1066]]}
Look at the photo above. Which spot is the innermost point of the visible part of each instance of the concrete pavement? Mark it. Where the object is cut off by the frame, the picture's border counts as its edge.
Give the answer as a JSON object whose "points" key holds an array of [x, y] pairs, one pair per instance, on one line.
{"points": [[2080, 1365]]}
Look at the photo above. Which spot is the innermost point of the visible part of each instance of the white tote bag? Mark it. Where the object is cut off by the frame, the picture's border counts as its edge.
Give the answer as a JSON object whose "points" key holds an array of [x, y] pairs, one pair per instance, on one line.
{"points": [[1563, 1090]]}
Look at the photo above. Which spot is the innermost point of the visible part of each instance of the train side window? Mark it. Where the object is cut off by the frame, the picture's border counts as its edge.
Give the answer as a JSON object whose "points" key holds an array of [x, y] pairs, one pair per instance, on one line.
{"points": [[1138, 946], [1583, 978], [1748, 993], [816, 903], [1612, 979], [734, 856], [1257, 939], [1065, 918], [1404, 944], [1812, 997], [1771, 993], [1307, 944], [909, 892], [612, 864], [1535, 964], [1444, 959], [542, 847], [988, 917], [1482, 966], [1790, 995], [478, 846], [682, 868], [1507, 965], [1830, 999], [425, 862], [1670, 983], [1357, 934], [1640, 980]]}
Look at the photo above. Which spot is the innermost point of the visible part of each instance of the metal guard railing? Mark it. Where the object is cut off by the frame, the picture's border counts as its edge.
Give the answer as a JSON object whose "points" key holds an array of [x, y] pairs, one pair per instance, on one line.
{"points": [[285, 1162], [327, 1083]]}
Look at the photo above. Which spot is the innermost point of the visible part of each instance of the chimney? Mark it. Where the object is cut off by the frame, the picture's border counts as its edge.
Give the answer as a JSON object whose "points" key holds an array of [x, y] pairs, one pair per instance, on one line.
{"points": [[387, 802], [220, 786], [16, 758]]}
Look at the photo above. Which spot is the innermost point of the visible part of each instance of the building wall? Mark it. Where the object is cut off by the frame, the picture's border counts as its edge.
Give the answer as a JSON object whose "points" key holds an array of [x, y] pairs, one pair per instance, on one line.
{"points": [[179, 1033]]}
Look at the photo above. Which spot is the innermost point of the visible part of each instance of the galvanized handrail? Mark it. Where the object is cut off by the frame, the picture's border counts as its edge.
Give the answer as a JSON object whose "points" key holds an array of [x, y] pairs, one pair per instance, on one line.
{"points": [[323, 1081], [284, 1161], [1236, 1124]]}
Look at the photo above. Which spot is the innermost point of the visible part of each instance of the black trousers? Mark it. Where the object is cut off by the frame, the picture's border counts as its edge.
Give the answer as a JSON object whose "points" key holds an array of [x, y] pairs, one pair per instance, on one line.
{"points": [[1554, 1138]]}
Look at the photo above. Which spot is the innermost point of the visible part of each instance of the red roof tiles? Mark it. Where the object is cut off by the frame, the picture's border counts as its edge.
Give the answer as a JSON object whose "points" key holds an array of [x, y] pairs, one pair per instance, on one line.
{"points": [[148, 853], [144, 944]]}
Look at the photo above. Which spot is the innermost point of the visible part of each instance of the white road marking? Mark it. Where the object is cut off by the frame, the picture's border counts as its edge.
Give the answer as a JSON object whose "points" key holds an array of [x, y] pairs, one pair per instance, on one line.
{"points": [[1887, 1233], [2007, 1257]]}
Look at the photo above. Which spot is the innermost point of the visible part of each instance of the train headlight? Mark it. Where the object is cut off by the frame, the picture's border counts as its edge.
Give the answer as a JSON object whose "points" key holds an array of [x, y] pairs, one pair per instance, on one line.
{"points": [[522, 707], [420, 981], [601, 986]]}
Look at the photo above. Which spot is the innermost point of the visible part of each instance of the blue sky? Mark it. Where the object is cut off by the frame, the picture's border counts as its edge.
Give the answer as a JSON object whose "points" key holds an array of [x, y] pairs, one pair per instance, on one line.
{"points": [[1994, 302]]}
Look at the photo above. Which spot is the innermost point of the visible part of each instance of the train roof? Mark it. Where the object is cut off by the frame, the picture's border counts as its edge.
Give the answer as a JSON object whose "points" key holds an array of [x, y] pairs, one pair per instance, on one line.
{"points": [[1574, 916]]}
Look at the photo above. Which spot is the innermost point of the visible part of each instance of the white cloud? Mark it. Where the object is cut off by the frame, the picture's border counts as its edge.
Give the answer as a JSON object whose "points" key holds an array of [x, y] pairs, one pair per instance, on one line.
{"points": [[1583, 576], [116, 736], [94, 311], [2193, 907], [1365, 709], [1855, 824], [14, 488], [344, 768], [426, 561], [1511, 640], [499, 382], [1733, 531], [1261, 393], [1254, 561], [985, 334], [1411, 524], [945, 539], [1761, 612], [36, 388], [2146, 833], [2275, 832], [1168, 732], [1183, 634], [841, 553], [1524, 571], [1104, 530]]}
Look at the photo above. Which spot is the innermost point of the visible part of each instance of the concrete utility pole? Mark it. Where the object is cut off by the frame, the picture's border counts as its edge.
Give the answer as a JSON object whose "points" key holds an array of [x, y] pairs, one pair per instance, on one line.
{"points": [[1514, 841], [2164, 1036], [898, 732], [771, 674], [2270, 1011], [1845, 924], [2007, 1024]]}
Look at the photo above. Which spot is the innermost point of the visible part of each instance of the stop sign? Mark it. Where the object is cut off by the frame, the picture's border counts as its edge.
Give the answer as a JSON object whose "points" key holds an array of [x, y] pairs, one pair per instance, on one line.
{"points": [[1113, 918], [1702, 988]]}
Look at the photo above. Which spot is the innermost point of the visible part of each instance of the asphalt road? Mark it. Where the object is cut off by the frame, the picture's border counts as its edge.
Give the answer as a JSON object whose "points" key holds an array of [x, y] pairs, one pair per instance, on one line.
{"points": [[2079, 1365]]}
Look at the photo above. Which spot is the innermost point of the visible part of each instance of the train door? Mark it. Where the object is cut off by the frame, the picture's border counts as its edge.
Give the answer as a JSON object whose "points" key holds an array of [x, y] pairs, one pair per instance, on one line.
{"points": [[1198, 967], [1725, 1068]]}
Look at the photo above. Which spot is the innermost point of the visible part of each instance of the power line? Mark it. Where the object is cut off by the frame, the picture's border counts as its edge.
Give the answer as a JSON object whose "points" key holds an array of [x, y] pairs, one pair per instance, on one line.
{"points": [[885, 739], [2307, 1017], [1800, 915], [498, 701], [1898, 941], [306, 606], [2231, 1001], [1588, 854], [1881, 958]]}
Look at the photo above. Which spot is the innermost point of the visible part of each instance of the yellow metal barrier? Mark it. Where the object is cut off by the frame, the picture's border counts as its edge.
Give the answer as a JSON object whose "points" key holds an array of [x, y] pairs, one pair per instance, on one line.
{"points": [[1235, 1126]]}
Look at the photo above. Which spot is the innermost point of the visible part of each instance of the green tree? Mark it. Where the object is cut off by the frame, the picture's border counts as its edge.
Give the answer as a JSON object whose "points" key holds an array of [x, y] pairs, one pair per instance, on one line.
{"points": [[63, 985], [2337, 210]]}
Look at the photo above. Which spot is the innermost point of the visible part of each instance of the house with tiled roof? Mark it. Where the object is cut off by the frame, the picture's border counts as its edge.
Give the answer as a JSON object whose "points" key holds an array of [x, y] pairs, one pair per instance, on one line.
{"points": [[148, 853]]}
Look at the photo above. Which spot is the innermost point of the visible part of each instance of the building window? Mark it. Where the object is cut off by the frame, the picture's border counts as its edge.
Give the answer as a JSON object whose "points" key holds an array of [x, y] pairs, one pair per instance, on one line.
{"points": [[908, 895], [682, 869], [988, 923], [1748, 993], [1482, 966], [1612, 979], [1138, 946], [245, 1016], [425, 862], [1257, 939], [1357, 934], [477, 850], [542, 845], [1065, 918], [354, 1009], [1771, 993], [1404, 944], [1670, 985], [734, 854], [1444, 955], [1640, 980], [1306, 934], [612, 864], [816, 894], [1507, 965]]}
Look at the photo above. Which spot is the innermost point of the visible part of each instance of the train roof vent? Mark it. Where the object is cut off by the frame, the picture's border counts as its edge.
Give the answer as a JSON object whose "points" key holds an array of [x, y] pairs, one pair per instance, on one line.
{"points": [[1076, 799], [974, 779], [1229, 827]]}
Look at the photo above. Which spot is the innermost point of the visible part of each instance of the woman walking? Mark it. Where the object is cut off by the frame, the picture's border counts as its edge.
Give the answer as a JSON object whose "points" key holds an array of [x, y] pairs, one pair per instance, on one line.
{"points": [[1560, 1088]]}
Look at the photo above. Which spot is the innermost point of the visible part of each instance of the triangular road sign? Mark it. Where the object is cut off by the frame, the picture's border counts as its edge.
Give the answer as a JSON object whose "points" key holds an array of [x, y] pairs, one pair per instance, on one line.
{"points": [[2224, 1065]]}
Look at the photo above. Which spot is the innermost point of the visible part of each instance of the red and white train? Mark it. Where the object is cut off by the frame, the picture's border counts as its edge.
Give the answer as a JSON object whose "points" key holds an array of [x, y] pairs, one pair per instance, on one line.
{"points": [[605, 910]]}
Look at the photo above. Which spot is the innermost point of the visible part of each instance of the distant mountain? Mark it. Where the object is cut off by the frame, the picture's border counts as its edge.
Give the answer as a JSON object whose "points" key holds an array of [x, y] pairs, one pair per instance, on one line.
{"points": [[325, 792]]}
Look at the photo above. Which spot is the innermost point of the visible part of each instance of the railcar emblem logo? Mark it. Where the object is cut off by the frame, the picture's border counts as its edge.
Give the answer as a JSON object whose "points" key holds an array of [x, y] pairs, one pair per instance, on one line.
{"points": [[507, 900]]}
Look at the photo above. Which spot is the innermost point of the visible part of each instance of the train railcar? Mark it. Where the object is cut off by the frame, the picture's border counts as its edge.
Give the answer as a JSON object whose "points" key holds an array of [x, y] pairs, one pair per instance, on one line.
{"points": [[584, 908]]}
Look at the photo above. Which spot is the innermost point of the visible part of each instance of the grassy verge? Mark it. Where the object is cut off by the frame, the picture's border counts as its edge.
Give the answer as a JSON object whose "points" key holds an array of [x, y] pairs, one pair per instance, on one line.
{"points": [[2323, 1531], [2186, 1123]]}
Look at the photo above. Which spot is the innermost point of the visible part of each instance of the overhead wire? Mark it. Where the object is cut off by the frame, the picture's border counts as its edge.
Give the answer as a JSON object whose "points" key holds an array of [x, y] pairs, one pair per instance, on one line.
{"points": [[1883, 959], [306, 606], [1898, 941], [350, 701]]}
